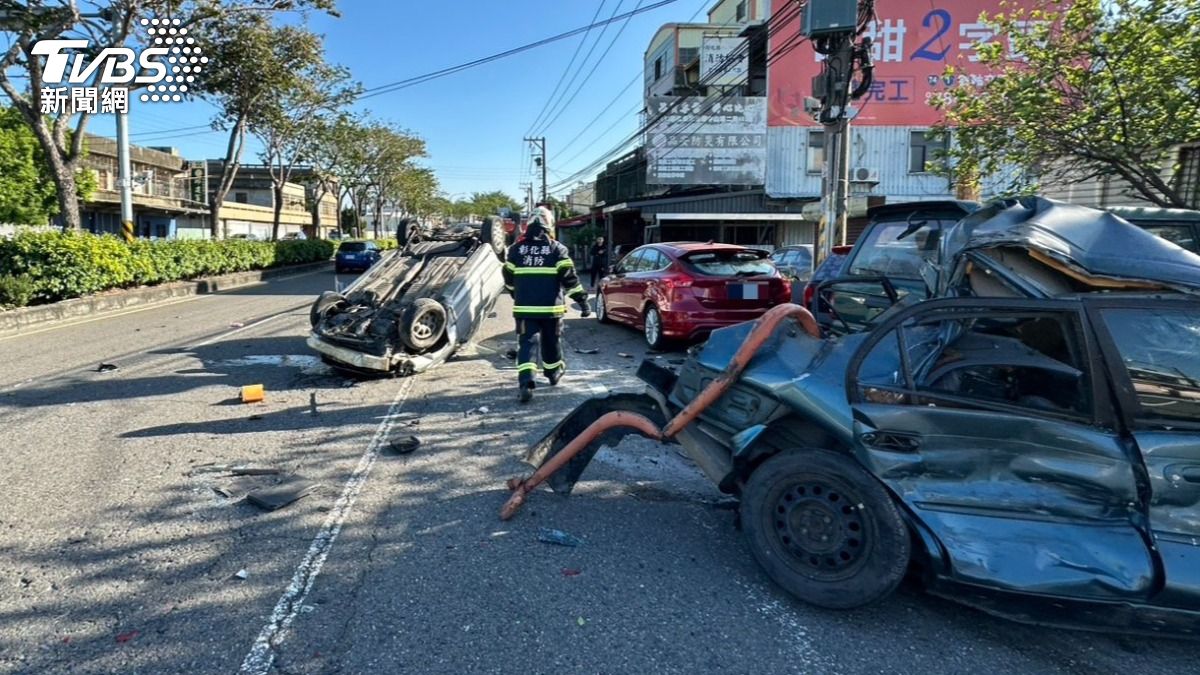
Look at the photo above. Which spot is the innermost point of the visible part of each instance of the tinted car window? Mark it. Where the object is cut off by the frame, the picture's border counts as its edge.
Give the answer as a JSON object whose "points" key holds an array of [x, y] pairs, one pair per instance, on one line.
{"points": [[1158, 349], [730, 263], [353, 247], [885, 252], [656, 261], [634, 262]]}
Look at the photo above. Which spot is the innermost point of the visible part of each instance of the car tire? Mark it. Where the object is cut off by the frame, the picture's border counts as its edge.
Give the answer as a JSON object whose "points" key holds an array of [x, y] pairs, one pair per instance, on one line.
{"points": [[422, 324], [492, 233], [824, 529], [327, 301], [602, 309], [652, 328]]}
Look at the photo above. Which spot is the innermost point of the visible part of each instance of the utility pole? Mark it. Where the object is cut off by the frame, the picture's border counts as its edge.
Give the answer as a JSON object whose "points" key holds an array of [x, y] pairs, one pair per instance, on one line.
{"points": [[540, 144], [124, 173], [832, 26]]}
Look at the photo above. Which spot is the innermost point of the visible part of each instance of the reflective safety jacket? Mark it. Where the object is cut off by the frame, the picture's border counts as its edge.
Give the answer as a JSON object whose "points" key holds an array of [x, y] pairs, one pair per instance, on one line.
{"points": [[539, 270]]}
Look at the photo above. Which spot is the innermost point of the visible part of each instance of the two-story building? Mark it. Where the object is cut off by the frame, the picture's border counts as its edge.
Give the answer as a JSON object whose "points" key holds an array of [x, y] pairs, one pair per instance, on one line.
{"points": [[249, 207], [169, 194]]}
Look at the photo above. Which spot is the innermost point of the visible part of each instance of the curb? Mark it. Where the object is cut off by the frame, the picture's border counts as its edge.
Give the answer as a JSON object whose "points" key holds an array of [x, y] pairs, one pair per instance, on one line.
{"points": [[13, 322]]}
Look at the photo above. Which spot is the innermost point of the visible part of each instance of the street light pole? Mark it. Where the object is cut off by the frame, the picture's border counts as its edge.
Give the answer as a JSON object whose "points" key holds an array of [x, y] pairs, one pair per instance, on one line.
{"points": [[124, 177]]}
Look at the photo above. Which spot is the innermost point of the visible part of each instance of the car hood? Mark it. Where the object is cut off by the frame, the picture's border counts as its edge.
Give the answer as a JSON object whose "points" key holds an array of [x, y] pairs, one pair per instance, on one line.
{"points": [[1091, 246]]}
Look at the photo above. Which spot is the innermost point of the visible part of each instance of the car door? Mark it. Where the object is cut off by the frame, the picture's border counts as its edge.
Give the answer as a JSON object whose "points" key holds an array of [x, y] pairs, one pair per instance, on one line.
{"points": [[617, 291], [990, 420], [642, 282], [1153, 349]]}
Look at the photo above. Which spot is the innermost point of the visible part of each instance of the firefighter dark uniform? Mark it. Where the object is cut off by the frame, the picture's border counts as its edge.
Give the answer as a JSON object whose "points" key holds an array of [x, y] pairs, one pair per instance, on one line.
{"points": [[538, 273]]}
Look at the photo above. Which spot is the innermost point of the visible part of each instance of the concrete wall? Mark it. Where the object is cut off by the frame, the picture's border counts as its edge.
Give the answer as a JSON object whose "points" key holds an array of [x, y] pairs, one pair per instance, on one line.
{"points": [[725, 11]]}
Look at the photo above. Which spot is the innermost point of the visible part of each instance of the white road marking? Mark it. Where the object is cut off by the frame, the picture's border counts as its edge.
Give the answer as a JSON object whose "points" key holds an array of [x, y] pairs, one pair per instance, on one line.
{"points": [[291, 603], [256, 324]]}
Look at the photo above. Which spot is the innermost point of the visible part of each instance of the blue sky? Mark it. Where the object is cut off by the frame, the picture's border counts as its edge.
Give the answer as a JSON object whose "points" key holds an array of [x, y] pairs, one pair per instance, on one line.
{"points": [[473, 121]]}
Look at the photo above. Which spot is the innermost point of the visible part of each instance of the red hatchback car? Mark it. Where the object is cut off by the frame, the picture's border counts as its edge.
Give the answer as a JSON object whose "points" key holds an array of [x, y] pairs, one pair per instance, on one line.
{"points": [[684, 291]]}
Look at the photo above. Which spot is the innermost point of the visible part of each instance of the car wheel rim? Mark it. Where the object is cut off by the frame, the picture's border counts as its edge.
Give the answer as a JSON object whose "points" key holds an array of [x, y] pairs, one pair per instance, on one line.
{"points": [[823, 528], [426, 327], [600, 309], [653, 326]]}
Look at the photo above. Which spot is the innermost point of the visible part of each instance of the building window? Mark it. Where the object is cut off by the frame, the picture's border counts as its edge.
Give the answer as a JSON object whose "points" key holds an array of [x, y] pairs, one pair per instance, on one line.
{"points": [[1187, 178], [658, 69], [816, 151], [241, 197], [741, 11], [924, 148]]}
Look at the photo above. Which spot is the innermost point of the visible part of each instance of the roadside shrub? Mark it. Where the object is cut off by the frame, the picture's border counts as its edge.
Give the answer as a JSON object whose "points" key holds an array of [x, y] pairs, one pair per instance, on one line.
{"points": [[15, 291], [60, 265]]}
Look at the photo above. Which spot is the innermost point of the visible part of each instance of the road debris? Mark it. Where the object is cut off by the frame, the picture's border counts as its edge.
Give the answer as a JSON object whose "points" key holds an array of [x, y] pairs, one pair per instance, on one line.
{"points": [[510, 354], [312, 403], [122, 638], [289, 489], [240, 575], [571, 572], [237, 324], [481, 410], [581, 621], [548, 535], [593, 350], [404, 445], [106, 368], [253, 393], [624, 355]]}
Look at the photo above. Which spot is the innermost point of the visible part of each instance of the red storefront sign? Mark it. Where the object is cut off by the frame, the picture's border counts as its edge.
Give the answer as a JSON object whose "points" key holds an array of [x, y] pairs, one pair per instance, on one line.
{"points": [[914, 42]]}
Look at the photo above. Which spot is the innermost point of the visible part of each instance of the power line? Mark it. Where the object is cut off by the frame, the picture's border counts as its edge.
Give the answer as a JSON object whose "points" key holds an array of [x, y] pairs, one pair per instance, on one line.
{"points": [[611, 103], [420, 79], [730, 60], [563, 77], [556, 115]]}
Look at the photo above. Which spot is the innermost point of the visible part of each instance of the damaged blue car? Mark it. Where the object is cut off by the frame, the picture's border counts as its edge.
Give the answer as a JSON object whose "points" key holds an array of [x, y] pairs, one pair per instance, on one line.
{"points": [[1026, 440]]}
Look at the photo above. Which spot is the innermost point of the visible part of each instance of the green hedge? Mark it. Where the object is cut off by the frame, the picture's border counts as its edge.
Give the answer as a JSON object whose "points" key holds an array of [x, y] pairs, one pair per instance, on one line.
{"points": [[61, 265], [384, 244]]}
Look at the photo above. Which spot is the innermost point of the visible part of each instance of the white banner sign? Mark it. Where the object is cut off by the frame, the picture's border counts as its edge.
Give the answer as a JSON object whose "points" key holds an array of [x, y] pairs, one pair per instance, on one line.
{"points": [[715, 141], [715, 51]]}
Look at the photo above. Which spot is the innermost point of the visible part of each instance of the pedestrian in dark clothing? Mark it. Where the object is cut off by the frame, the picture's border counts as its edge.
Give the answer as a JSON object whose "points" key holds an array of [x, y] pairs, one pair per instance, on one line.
{"points": [[599, 255], [538, 272]]}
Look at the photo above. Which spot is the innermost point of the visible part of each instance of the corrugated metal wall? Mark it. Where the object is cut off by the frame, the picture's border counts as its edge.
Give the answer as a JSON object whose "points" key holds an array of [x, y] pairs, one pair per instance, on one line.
{"points": [[792, 233], [885, 149]]}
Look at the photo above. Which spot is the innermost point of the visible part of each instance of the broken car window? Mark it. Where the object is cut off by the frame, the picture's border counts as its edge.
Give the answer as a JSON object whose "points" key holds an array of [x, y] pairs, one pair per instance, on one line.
{"points": [[731, 263], [1030, 362], [886, 253], [1158, 348]]}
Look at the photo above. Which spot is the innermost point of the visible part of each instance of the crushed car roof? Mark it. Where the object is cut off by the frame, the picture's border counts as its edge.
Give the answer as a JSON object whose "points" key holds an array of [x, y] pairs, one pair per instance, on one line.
{"points": [[1075, 240]]}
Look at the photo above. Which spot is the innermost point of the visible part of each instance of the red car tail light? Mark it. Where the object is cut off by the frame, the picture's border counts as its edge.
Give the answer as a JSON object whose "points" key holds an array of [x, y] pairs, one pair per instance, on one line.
{"points": [[809, 291]]}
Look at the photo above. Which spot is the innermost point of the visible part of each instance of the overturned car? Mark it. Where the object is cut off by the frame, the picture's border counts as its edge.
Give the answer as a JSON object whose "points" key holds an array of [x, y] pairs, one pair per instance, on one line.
{"points": [[417, 305], [1027, 441]]}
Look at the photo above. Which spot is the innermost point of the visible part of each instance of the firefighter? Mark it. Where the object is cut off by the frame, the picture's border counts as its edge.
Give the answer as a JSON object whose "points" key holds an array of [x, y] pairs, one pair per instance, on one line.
{"points": [[538, 272]]}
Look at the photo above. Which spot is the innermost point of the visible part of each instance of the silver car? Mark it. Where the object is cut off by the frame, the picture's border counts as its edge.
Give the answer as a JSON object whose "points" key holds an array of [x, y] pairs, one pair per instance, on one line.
{"points": [[416, 306]]}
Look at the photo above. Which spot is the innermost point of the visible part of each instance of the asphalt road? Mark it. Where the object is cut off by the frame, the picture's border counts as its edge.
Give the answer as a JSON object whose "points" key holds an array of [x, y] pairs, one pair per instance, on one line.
{"points": [[119, 554]]}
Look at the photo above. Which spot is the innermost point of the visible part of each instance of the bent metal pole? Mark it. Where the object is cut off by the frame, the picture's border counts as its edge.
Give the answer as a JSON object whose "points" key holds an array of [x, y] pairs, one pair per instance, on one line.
{"points": [[764, 327]]}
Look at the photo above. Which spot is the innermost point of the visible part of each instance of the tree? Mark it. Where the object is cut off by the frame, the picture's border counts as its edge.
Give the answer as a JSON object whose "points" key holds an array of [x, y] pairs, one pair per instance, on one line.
{"points": [[27, 193], [1096, 88], [292, 123], [387, 159], [490, 203], [334, 142], [257, 61], [61, 135]]}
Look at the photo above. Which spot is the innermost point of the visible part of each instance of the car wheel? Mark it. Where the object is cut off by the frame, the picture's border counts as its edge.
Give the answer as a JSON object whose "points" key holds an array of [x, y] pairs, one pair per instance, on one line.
{"points": [[321, 307], [652, 328], [492, 233], [602, 309], [422, 324], [824, 529]]}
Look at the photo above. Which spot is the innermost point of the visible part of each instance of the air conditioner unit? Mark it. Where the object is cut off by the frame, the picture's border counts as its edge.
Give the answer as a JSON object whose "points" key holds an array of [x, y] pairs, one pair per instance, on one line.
{"points": [[863, 174]]}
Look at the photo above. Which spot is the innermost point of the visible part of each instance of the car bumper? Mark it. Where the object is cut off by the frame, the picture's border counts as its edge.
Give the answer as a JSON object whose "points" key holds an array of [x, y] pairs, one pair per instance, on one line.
{"points": [[350, 357], [686, 325]]}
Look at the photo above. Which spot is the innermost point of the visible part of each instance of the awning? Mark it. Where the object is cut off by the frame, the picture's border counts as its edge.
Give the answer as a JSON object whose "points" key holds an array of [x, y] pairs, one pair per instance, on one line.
{"points": [[577, 221], [748, 217]]}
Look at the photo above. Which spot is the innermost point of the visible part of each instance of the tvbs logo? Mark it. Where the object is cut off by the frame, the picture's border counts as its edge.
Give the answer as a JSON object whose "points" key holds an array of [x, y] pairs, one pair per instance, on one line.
{"points": [[101, 84]]}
